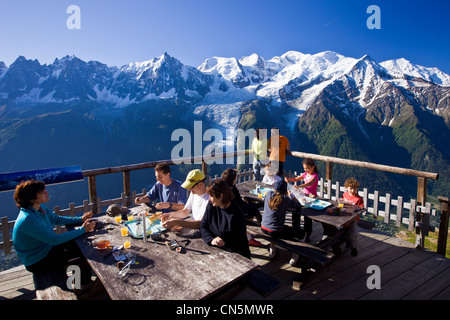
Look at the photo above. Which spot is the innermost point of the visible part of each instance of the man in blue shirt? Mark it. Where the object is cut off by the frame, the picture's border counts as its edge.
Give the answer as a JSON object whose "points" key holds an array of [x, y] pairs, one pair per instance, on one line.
{"points": [[167, 190]]}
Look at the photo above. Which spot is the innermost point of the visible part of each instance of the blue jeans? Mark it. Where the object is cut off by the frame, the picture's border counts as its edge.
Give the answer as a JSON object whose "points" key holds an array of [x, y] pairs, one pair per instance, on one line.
{"points": [[257, 168]]}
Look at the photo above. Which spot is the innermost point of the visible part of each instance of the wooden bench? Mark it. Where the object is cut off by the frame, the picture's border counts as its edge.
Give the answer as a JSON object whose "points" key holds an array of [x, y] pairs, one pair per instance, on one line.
{"points": [[311, 258], [52, 286], [302, 249]]}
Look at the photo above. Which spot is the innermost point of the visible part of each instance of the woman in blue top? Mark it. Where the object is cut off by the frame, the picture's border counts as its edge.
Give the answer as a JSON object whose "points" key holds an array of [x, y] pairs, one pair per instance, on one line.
{"points": [[39, 248]]}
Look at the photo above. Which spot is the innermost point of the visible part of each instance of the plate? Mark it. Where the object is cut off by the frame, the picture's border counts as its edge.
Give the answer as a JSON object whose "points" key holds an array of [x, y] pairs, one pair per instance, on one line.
{"points": [[135, 227], [318, 204]]}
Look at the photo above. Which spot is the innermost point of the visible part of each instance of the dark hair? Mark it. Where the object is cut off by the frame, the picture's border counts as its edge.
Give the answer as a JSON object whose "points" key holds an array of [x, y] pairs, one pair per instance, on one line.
{"points": [[310, 162], [220, 187], [259, 131], [26, 192], [163, 167], [275, 202], [229, 175]]}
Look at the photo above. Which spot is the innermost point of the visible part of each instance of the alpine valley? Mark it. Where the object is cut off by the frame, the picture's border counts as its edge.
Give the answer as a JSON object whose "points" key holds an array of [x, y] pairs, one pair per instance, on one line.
{"points": [[73, 112]]}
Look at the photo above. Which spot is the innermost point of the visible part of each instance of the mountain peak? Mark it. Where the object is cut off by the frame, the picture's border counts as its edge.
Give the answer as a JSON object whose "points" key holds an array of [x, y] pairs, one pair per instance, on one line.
{"points": [[400, 67]]}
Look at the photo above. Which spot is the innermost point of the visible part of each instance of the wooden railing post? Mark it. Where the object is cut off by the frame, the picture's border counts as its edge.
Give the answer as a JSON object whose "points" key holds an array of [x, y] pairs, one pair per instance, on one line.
{"points": [[204, 168], [443, 226], [421, 190], [127, 186], [6, 238], [329, 170], [93, 193]]}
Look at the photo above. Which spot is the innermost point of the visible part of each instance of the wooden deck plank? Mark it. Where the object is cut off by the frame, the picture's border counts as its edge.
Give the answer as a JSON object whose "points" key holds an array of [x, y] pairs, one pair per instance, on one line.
{"points": [[412, 279], [405, 273], [443, 295], [428, 290], [392, 262]]}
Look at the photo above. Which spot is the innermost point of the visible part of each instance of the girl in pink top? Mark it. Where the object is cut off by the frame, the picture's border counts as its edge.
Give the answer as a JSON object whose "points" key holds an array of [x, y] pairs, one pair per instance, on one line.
{"points": [[310, 178]]}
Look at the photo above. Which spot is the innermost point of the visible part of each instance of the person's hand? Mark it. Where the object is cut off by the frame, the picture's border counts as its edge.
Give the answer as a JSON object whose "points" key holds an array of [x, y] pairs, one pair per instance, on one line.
{"points": [[165, 216], [86, 216], [217, 241], [162, 205], [89, 226], [169, 224], [138, 200]]}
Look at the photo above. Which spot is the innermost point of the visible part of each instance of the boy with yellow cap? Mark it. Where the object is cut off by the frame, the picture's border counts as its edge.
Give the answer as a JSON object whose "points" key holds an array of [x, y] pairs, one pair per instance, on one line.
{"points": [[195, 205]]}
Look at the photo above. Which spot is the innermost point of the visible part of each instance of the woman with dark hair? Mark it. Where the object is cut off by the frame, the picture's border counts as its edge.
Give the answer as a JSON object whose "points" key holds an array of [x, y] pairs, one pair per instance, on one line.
{"points": [[39, 248], [223, 223], [250, 209], [275, 206]]}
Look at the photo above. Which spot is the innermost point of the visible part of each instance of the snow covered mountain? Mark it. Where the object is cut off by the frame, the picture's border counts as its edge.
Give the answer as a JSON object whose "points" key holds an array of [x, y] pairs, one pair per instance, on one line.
{"points": [[326, 103], [293, 78]]}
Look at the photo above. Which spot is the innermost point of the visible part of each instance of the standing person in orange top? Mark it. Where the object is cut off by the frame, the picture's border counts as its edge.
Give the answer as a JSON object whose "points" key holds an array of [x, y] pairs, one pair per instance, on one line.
{"points": [[278, 146]]}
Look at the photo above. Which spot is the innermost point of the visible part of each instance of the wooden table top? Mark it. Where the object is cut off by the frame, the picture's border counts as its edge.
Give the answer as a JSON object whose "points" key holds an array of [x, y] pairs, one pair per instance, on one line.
{"points": [[351, 212], [197, 272]]}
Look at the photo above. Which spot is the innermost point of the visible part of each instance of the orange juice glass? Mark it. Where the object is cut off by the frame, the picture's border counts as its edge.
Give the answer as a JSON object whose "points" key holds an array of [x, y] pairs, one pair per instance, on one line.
{"points": [[127, 244], [118, 218], [124, 232]]}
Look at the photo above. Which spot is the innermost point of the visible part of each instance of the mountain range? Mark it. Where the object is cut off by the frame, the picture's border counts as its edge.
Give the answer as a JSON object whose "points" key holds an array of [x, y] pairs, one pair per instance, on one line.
{"points": [[74, 112]]}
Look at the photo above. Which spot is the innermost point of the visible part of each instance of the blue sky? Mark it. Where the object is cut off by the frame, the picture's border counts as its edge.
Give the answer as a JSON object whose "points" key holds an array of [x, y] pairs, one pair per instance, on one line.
{"points": [[117, 32]]}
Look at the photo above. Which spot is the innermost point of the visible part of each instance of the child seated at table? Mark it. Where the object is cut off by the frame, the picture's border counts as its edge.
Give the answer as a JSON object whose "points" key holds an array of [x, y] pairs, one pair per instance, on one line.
{"points": [[270, 177], [311, 180], [275, 205], [352, 197]]}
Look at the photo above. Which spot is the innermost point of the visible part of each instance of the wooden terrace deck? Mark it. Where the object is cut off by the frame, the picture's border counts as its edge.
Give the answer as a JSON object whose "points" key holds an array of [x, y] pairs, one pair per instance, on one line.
{"points": [[406, 273]]}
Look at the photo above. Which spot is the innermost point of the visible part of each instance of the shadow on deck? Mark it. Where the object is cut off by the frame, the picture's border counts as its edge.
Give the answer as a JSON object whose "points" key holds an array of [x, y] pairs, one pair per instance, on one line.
{"points": [[406, 273]]}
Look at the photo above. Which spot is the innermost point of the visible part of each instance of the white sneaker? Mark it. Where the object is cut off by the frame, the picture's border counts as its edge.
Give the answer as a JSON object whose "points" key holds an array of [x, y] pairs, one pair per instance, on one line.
{"points": [[272, 251], [294, 260]]}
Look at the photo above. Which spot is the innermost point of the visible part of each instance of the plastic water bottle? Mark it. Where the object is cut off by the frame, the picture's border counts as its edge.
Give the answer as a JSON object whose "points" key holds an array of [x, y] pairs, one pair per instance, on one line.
{"points": [[297, 193]]}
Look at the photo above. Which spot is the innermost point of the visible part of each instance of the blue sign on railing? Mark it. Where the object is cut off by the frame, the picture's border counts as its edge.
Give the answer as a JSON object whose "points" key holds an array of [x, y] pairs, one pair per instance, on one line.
{"points": [[9, 181]]}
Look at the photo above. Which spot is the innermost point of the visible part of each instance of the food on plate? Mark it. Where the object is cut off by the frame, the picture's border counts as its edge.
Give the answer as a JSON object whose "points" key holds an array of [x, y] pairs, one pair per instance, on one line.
{"points": [[102, 244], [155, 216]]}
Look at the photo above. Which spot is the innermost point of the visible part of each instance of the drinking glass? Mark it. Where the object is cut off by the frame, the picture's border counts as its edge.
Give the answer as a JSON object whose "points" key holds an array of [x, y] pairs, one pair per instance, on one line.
{"points": [[118, 218], [127, 244], [124, 232]]}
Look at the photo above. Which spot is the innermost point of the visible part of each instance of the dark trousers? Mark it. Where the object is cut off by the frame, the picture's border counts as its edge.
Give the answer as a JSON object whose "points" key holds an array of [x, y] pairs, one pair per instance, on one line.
{"points": [[280, 167], [60, 257]]}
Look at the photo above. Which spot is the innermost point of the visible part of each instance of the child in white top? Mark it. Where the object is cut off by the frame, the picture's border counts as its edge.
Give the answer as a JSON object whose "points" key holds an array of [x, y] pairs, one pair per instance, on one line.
{"points": [[270, 178]]}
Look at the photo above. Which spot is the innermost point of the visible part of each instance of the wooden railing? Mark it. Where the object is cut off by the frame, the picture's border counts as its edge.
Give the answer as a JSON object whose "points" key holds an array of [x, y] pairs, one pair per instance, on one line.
{"points": [[417, 218]]}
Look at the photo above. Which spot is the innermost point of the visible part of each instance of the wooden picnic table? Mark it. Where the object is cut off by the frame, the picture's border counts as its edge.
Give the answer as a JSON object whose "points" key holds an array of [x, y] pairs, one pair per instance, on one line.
{"points": [[314, 255], [199, 271], [338, 221]]}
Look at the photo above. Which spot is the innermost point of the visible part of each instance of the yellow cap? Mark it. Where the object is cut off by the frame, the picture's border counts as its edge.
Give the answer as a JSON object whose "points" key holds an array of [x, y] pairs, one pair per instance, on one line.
{"points": [[193, 177]]}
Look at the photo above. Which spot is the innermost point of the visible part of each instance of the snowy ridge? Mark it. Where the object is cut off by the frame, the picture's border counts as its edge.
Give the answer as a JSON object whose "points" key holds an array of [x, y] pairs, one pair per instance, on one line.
{"points": [[293, 79], [400, 67]]}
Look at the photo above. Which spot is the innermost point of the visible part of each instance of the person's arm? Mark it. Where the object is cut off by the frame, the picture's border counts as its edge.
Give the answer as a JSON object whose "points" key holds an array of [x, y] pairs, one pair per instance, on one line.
{"points": [[38, 230], [189, 224], [205, 230], [308, 183], [169, 205], [139, 200]]}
